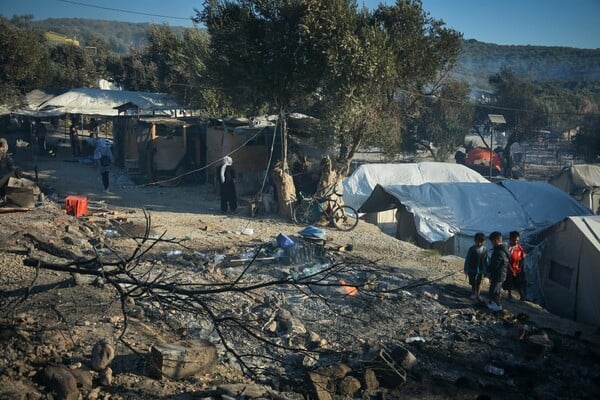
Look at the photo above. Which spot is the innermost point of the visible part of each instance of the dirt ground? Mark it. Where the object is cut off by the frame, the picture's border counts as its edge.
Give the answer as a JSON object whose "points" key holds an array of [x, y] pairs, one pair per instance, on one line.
{"points": [[409, 298]]}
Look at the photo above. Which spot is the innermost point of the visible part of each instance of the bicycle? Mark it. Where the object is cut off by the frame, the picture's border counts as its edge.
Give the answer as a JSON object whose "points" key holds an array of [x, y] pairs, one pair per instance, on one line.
{"points": [[312, 208]]}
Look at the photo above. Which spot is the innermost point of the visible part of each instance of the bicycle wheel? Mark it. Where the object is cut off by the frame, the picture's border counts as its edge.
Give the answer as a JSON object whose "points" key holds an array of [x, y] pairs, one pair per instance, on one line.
{"points": [[305, 214], [345, 218]]}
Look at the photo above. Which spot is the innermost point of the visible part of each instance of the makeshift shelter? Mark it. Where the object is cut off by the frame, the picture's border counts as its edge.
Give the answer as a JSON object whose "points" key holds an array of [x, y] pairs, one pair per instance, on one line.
{"points": [[159, 147], [361, 183], [249, 146], [569, 269], [88, 101], [447, 215], [582, 182]]}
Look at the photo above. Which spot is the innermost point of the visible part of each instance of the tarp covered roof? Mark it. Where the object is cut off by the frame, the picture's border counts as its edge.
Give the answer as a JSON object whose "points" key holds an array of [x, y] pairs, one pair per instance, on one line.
{"points": [[442, 210], [577, 176], [89, 101], [359, 185]]}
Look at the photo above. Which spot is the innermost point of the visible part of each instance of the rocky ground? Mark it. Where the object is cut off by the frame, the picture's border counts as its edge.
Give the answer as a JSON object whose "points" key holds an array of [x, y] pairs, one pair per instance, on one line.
{"points": [[361, 315]]}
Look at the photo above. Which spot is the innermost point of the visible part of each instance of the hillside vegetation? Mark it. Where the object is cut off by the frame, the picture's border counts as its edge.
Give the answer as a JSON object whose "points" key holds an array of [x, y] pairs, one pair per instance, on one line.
{"points": [[477, 62]]}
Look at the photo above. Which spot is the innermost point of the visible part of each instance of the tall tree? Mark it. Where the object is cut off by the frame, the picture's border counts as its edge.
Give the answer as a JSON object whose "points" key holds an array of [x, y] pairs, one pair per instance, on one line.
{"points": [[444, 119], [348, 64], [23, 61]]}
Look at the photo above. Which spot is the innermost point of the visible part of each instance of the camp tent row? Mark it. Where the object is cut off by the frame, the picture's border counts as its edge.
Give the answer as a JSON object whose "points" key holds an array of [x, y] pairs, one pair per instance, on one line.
{"points": [[582, 182], [446, 215]]}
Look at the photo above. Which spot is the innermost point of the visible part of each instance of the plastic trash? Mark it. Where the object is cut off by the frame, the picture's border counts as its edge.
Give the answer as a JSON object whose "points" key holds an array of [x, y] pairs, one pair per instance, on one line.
{"points": [[111, 233], [414, 339], [248, 231], [218, 258], [284, 241], [203, 257], [493, 370], [173, 253], [313, 232]]}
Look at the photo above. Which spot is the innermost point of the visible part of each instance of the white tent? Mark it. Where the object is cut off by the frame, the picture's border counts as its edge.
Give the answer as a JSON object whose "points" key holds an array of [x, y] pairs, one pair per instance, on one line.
{"points": [[569, 269], [449, 214], [582, 182], [100, 102], [359, 186]]}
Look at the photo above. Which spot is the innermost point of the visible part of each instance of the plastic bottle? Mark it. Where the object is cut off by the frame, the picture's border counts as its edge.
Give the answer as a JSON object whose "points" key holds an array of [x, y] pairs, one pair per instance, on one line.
{"points": [[490, 369]]}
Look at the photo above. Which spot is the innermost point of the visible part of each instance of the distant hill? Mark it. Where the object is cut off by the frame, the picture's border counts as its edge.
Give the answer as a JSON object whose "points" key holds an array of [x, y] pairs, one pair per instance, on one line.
{"points": [[536, 63], [120, 36], [478, 60]]}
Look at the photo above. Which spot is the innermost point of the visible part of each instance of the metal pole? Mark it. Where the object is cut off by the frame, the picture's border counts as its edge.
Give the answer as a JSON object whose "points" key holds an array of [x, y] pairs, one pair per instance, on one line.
{"points": [[491, 149]]}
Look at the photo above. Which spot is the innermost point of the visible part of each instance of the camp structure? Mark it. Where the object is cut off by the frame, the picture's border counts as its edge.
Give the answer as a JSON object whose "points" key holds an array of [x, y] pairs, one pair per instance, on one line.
{"points": [[569, 269], [582, 181], [361, 183], [161, 148], [446, 216], [250, 145], [89, 101]]}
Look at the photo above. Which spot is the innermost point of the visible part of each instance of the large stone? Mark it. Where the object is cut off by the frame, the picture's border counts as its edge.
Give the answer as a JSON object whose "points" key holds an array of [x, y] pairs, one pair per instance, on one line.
{"points": [[323, 387], [105, 377], [102, 355], [61, 382], [184, 358], [243, 390], [349, 386], [83, 377], [371, 382]]}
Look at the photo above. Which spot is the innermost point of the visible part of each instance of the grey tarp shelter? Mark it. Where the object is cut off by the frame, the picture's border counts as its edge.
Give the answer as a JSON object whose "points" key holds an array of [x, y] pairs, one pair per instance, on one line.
{"points": [[447, 215], [569, 269], [581, 181], [360, 184]]}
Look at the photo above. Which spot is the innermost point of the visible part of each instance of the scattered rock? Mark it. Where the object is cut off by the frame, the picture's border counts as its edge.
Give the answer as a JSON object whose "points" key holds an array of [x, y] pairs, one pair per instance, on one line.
{"points": [[349, 386], [322, 386], [60, 381], [181, 359], [371, 382], [102, 355], [105, 377]]}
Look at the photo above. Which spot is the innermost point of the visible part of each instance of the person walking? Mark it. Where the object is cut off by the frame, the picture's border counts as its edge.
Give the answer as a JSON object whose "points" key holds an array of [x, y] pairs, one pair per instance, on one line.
{"points": [[475, 265], [104, 158], [516, 271], [227, 176], [497, 270], [74, 136]]}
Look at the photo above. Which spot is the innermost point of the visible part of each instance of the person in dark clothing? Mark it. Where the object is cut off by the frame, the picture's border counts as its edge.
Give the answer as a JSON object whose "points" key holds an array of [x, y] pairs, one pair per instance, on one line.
{"points": [[7, 166], [40, 136], [226, 174], [74, 136], [475, 265], [497, 269]]}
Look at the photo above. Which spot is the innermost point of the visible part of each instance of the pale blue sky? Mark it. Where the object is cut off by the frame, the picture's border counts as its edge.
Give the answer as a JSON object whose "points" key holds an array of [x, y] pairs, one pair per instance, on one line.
{"points": [[571, 23]]}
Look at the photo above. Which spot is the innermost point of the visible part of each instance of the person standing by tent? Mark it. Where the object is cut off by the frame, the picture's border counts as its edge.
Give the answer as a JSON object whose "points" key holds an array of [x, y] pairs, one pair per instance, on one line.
{"points": [[475, 265], [497, 269], [40, 136], [93, 128], [516, 270], [74, 136], [7, 167], [104, 158], [227, 176]]}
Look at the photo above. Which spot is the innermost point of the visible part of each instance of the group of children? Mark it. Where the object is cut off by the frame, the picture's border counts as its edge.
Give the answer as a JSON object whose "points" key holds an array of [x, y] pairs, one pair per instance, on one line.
{"points": [[504, 267]]}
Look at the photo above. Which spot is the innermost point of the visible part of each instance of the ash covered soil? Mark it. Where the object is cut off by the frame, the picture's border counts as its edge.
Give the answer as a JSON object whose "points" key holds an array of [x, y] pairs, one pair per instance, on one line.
{"points": [[284, 326]]}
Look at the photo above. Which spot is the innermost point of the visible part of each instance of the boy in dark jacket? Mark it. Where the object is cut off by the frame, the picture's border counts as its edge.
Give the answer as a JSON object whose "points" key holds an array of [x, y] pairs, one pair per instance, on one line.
{"points": [[497, 269], [475, 265]]}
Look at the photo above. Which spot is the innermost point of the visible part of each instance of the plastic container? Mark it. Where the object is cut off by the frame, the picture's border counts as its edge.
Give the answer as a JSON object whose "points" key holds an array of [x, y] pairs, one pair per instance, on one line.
{"points": [[284, 241], [493, 370]]}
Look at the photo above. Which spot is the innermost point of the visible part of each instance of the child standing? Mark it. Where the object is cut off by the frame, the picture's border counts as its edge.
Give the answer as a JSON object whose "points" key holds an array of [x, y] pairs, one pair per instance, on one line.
{"points": [[499, 262], [516, 271], [475, 265]]}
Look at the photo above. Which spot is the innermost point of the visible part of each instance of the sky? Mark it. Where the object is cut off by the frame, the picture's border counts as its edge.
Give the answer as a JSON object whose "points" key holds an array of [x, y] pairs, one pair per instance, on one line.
{"points": [[569, 23]]}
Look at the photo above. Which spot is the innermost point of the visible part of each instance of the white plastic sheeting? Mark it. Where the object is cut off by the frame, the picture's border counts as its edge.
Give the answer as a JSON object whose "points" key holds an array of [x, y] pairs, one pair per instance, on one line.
{"points": [[359, 185], [443, 210], [100, 102]]}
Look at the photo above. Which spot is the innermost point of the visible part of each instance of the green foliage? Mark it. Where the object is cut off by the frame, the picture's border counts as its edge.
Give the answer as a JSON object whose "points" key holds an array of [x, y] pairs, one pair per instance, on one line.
{"points": [[444, 119], [23, 61], [587, 141]]}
